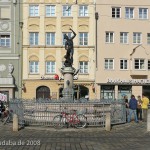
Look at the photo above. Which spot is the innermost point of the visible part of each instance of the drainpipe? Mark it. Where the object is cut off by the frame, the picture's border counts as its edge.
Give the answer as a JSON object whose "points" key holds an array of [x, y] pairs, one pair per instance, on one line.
{"points": [[20, 40], [96, 18]]}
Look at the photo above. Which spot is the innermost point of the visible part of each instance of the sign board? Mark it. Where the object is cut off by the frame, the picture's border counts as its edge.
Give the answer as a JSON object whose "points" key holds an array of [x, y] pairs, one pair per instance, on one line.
{"points": [[56, 78], [129, 81]]}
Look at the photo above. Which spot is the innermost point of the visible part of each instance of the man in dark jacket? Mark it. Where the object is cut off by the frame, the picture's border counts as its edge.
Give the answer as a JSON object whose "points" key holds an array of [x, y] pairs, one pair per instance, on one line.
{"points": [[132, 108]]}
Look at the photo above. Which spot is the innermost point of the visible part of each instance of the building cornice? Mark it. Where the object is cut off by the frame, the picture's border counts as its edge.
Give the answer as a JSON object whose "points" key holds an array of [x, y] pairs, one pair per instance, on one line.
{"points": [[57, 46]]}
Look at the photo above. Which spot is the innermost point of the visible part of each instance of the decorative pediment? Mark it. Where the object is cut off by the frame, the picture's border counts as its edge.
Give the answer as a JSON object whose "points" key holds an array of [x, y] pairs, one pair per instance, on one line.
{"points": [[83, 58], [50, 58], [50, 27], [66, 27], [33, 58], [139, 50], [33, 27], [83, 27]]}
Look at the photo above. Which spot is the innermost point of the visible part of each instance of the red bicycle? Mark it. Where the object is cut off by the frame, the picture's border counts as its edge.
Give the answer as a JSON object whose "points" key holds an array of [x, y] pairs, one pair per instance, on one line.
{"points": [[69, 119]]}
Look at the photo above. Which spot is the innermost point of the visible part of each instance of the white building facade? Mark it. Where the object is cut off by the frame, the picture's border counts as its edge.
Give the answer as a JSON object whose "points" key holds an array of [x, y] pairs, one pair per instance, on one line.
{"points": [[123, 48]]}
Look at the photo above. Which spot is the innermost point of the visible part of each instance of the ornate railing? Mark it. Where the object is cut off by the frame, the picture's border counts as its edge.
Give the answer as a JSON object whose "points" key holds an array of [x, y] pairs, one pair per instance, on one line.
{"points": [[42, 111]]}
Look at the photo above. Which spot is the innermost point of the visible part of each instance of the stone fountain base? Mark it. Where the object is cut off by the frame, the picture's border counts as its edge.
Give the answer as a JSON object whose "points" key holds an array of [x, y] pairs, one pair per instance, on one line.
{"points": [[68, 91]]}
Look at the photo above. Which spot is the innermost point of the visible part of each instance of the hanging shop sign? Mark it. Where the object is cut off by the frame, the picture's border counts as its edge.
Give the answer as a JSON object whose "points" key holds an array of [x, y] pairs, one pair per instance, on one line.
{"points": [[55, 77], [129, 81]]}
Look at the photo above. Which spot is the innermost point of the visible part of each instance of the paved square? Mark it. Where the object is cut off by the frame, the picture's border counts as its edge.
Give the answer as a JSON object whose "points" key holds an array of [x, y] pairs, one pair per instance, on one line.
{"points": [[122, 137]]}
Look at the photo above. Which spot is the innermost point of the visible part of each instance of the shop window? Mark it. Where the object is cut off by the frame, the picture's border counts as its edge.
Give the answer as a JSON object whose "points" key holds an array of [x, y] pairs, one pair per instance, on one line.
{"points": [[107, 92], [124, 90]]}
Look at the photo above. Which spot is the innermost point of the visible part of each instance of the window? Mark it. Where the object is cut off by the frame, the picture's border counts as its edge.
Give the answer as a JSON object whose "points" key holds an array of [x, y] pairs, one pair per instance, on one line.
{"points": [[50, 10], [123, 64], [109, 37], [143, 13], [83, 67], [148, 38], [66, 11], [107, 92], [50, 38], [83, 10], [34, 10], [109, 64], [34, 38], [4, 12], [83, 38], [137, 38], [129, 13], [139, 64], [50, 67], [4, 40], [68, 34], [148, 65], [123, 37], [34, 67], [116, 12], [124, 91]]}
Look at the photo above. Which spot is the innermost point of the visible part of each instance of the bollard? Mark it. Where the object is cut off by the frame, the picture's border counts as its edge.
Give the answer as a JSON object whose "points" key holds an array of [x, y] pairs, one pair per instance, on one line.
{"points": [[108, 122], [15, 122], [148, 119]]}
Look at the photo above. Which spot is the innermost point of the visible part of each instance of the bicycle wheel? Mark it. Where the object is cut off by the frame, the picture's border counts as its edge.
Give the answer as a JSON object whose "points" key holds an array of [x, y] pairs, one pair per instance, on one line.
{"points": [[80, 121], [58, 122], [6, 120]]}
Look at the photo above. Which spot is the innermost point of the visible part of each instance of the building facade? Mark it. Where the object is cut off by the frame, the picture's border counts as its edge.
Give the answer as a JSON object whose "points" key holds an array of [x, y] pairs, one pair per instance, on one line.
{"points": [[10, 49], [123, 48], [45, 23]]}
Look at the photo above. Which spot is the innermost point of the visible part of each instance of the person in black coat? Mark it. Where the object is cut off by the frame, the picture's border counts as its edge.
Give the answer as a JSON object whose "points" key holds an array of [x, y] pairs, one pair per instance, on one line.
{"points": [[132, 108]]}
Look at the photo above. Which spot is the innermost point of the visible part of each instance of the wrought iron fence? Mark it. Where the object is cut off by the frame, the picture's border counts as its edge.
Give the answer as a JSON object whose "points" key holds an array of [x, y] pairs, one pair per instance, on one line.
{"points": [[41, 112]]}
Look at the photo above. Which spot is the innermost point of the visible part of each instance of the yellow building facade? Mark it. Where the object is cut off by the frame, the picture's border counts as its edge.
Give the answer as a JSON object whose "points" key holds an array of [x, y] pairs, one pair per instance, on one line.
{"points": [[44, 24]]}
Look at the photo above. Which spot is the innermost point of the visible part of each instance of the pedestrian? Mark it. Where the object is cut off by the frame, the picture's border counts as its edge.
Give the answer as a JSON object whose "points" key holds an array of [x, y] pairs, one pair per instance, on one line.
{"points": [[132, 109], [139, 108], [145, 103], [127, 106], [2, 108]]}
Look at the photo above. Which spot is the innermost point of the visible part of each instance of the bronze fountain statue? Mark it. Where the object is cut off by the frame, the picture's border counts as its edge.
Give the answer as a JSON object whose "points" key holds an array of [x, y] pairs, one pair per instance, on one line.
{"points": [[70, 49]]}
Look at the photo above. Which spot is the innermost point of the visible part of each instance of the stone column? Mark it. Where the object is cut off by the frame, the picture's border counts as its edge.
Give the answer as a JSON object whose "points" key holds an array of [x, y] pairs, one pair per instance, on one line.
{"points": [[108, 122], [15, 122], [68, 91]]}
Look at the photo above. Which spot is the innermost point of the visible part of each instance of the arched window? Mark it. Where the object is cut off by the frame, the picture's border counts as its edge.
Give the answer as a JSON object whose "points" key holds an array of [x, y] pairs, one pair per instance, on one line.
{"points": [[43, 92], [80, 91], [60, 92]]}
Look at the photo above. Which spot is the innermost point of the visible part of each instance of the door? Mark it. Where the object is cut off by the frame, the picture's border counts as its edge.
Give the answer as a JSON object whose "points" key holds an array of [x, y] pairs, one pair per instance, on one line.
{"points": [[43, 92]]}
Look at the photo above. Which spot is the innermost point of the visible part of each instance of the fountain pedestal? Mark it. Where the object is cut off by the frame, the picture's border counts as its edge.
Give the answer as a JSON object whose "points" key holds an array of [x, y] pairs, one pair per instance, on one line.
{"points": [[68, 91]]}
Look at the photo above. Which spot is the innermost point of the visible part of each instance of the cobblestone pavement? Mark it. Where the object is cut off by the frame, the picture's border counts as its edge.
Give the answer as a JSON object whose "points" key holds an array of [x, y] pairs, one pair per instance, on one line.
{"points": [[122, 137]]}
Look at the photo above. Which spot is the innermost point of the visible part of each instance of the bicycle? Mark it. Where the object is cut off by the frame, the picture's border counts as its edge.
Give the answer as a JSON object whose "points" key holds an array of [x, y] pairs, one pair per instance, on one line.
{"points": [[6, 116], [69, 119]]}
